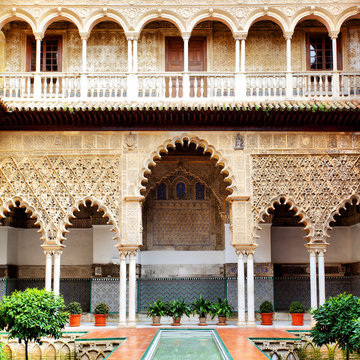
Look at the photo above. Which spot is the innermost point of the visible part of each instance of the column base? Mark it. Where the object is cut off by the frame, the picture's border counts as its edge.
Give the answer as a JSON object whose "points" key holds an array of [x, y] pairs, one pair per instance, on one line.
{"points": [[251, 324], [122, 325], [241, 324], [132, 324]]}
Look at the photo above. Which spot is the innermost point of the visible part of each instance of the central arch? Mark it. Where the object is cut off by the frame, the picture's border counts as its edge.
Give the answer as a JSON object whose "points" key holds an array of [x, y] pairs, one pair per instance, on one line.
{"points": [[191, 139]]}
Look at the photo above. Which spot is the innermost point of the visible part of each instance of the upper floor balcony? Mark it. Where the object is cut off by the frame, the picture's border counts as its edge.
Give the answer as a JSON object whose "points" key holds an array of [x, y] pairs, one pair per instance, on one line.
{"points": [[62, 59]]}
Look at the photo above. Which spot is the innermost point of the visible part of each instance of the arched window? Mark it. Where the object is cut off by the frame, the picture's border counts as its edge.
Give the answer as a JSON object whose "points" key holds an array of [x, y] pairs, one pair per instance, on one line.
{"points": [[200, 191], [180, 190], [161, 191]]}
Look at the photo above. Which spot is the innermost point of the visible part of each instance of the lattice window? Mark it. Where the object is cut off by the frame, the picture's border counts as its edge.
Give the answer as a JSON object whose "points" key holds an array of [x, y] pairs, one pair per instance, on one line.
{"points": [[180, 190]]}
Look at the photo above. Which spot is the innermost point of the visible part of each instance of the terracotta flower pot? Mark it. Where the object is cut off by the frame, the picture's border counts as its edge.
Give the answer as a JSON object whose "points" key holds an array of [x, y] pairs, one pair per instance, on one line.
{"points": [[176, 322], [267, 318], [156, 321], [100, 319], [297, 319], [202, 321], [75, 320], [222, 321]]}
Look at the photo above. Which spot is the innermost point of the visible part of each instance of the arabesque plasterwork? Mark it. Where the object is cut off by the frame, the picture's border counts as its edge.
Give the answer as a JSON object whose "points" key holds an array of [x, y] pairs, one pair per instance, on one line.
{"points": [[315, 186]]}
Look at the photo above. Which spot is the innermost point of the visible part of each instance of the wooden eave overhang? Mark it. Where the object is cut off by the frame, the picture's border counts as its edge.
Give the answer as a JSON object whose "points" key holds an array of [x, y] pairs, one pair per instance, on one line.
{"points": [[305, 116]]}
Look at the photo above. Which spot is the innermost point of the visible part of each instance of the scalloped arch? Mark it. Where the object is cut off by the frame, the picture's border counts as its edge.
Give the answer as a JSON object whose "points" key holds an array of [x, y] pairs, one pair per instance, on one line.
{"points": [[321, 15], [70, 214], [348, 200], [5, 207], [155, 16], [191, 139], [221, 16], [53, 15], [19, 15], [98, 17], [346, 15], [284, 199], [271, 15]]}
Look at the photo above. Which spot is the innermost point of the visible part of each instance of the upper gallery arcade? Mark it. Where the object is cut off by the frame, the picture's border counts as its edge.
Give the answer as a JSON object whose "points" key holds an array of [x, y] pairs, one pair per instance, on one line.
{"points": [[146, 53]]}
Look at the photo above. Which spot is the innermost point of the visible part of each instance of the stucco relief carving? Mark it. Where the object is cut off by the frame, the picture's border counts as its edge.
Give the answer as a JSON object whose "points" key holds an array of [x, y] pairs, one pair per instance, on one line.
{"points": [[13, 51], [316, 183], [53, 185]]}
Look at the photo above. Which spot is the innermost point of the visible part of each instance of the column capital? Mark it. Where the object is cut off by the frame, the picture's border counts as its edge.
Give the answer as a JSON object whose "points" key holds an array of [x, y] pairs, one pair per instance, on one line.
{"points": [[127, 250], [245, 249], [134, 198], [288, 35], [186, 35], [240, 35], [316, 248], [132, 35], [84, 35], [38, 36], [51, 249], [334, 34]]}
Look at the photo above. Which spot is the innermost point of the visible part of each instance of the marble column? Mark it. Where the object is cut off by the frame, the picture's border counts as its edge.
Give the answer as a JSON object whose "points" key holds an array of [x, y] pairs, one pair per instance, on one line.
{"points": [[242, 57], [241, 289], [250, 288], [57, 255], [313, 285], [237, 55], [334, 51], [130, 56], [321, 266], [132, 288], [122, 295], [135, 56], [48, 269]]}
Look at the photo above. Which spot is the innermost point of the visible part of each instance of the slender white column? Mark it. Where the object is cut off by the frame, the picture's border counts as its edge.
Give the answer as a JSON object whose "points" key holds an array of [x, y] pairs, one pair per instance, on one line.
{"points": [[122, 298], [132, 288], [38, 53], [241, 288], [250, 288], [237, 55], [334, 52], [84, 54], [321, 265], [57, 255], [130, 56], [242, 65], [313, 287], [48, 269], [186, 53], [135, 55], [288, 53]]}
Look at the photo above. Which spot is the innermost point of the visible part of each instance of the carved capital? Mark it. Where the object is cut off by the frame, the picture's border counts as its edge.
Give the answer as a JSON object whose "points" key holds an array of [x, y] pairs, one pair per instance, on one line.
{"points": [[39, 36], [334, 34], [316, 248], [288, 35]]}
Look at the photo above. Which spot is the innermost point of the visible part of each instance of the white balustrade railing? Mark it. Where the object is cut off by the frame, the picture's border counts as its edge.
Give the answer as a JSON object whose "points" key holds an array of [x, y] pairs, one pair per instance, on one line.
{"points": [[312, 84], [106, 85], [349, 84], [59, 85], [266, 85], [17, 85], [91, 86], [212, 85]]}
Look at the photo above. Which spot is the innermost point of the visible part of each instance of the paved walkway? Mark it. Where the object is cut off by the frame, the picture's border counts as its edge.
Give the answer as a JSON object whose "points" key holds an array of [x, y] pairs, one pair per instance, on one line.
{"points": [[235, 339]]}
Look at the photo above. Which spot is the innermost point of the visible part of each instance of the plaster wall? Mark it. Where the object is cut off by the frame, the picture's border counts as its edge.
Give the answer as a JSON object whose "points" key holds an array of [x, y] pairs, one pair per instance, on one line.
{"points": [[12, 248], [103, 245], [355, 242], [3, 245], [79, 247], [288, 245]]}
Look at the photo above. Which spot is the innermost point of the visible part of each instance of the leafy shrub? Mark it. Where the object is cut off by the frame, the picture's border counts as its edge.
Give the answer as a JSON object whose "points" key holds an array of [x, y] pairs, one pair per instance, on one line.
{"points": [[296, 308], [157, 308], [101, 308], [201, 306], [178, 308], [74, 308], [266, 307], [221, 308]]}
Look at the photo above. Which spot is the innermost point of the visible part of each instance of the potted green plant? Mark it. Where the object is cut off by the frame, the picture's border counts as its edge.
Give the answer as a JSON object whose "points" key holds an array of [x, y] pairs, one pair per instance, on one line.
{"points": [[176, 309], [297, 309], [267, 312], [156, 310], [101, 311], [222, 309], [202, 307], [75, 311]]}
